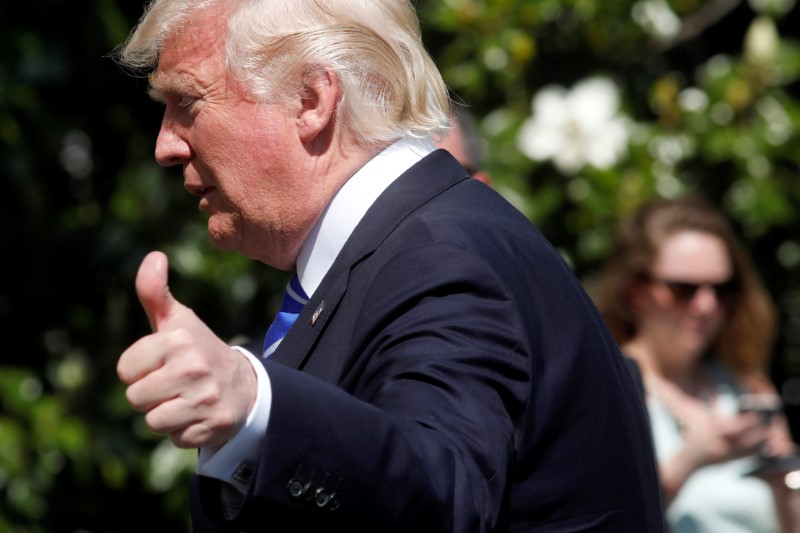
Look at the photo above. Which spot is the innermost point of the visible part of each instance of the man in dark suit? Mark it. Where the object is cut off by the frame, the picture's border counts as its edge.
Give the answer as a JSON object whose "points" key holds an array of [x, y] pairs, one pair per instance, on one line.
{"points": [[446, 371]]}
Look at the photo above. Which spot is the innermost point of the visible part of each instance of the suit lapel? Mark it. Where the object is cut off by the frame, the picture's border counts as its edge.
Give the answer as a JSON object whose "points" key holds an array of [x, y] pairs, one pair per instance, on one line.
{"points": [[430, 177]]}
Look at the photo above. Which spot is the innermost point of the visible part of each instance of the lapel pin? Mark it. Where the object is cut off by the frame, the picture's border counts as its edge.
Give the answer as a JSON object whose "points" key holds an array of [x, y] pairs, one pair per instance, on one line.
{"points": [[317, 313]]}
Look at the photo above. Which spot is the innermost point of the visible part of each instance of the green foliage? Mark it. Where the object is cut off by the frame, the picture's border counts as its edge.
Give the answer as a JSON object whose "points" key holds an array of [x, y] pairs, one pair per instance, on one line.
{"points": [[707, 90], [711, 108]]}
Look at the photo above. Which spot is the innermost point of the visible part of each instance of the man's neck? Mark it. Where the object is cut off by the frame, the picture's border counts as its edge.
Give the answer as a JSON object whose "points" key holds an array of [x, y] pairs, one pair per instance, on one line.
{"points": [[350, 203]]}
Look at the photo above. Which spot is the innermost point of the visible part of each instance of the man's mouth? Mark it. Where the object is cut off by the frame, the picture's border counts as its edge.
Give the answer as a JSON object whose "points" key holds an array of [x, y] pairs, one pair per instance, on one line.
{"points": [[199, 190]]}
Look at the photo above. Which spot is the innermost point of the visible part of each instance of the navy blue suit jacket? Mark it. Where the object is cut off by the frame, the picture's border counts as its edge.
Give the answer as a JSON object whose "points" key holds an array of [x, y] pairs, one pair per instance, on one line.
{"points": [[449, 374]]}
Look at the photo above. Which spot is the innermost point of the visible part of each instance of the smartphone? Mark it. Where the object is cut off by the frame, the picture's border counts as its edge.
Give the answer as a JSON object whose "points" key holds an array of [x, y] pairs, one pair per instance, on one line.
{"points": [[767, 404]]}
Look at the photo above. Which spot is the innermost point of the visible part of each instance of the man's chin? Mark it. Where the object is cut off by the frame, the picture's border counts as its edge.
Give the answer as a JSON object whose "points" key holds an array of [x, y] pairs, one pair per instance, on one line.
{"points": [[222, 240], [229, 243]]}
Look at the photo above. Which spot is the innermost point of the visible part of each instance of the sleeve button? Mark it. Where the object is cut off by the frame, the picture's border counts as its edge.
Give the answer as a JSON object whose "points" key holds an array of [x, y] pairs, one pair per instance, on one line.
{"points": [[333, 502], [295, 488], [322, 497], [308, 491]]}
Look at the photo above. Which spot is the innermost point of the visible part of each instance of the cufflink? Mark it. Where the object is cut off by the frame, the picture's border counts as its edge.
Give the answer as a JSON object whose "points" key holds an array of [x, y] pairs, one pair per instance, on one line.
{"points": [[243, 473]]}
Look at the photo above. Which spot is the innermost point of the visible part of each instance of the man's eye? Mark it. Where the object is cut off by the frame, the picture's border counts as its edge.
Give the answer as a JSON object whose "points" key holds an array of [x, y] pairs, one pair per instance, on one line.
{"points": [[186, 101]]}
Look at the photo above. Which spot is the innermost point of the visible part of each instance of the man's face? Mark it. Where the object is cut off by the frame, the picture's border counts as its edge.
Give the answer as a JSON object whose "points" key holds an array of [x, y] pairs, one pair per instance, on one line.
{"points": [[242, 158]]}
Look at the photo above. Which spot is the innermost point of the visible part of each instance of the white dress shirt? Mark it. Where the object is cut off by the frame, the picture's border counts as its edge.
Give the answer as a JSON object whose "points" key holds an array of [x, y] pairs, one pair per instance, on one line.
{"points": [[234, 461]]}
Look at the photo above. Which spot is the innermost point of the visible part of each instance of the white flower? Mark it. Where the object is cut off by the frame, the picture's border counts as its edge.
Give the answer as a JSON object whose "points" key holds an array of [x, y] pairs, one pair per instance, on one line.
{"points": [[657, 18], [577, 127], [761, 42]]}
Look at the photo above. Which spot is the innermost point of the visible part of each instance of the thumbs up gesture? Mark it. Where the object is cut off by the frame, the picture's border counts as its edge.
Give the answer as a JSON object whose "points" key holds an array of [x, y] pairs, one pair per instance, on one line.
{"points": [[191, 384]]}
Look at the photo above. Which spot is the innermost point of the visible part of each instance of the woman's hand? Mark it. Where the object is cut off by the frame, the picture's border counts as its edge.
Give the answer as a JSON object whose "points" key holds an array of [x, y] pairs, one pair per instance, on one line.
{"points": [[712, 439]]}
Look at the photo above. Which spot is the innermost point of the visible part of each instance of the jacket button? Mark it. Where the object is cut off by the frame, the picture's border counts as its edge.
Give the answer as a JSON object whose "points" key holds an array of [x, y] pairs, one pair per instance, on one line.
{"points": [[295, 488], [308, 491], [333, 502], [322, 497]]}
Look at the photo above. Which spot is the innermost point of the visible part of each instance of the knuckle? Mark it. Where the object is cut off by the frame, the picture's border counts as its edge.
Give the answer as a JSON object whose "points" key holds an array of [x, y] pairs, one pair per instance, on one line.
{"points": [[156, 422], [123, 371], [152, 420], [196, 369], [189, 437], [179, 339], [122, 374], [131, 394]]}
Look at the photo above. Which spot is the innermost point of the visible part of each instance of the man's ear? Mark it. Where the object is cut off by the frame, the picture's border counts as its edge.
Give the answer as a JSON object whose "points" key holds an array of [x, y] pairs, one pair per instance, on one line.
{"points": [[319, 99]]}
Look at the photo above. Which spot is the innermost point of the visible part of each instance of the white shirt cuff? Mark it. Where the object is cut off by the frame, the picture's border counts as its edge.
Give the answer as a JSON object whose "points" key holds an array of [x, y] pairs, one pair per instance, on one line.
{"points": [[234, 462]]}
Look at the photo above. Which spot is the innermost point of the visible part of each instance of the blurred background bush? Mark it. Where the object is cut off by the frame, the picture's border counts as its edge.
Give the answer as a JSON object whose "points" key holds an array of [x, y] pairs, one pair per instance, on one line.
{"points": [[587, 108]]}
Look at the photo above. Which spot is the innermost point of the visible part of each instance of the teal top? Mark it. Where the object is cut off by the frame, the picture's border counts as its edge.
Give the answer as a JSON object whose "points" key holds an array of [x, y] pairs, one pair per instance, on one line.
{"points": [[716, 498]]}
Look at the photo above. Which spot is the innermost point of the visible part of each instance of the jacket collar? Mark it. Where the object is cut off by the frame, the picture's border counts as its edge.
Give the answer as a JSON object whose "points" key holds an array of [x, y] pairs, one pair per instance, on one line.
{"points": [[430, 177]]}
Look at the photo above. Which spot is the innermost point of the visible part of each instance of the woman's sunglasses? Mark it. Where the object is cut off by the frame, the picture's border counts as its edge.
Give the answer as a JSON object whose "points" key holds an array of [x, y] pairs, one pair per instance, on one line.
{"points": [[685, 291]]}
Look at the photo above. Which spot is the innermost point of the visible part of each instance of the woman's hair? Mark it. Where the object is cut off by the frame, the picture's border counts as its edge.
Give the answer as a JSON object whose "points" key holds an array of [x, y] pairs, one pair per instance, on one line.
{"points": [[746, 340], [391, 86]]}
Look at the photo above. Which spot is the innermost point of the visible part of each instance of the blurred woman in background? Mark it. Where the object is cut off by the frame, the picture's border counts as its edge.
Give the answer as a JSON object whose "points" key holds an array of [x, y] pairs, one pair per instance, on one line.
{"points": [[683, 300]]}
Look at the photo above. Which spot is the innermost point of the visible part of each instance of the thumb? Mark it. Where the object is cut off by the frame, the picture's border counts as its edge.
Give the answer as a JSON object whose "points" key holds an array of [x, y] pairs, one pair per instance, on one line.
{"points": [[152, 288]]}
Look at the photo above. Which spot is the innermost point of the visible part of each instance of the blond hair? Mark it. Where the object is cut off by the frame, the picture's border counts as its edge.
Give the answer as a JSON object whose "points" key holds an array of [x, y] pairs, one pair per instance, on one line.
{"points": [[391, 86]]}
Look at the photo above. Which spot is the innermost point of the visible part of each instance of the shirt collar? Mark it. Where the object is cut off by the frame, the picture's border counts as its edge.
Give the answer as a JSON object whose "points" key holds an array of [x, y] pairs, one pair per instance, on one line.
{"points": [[350, 203]]}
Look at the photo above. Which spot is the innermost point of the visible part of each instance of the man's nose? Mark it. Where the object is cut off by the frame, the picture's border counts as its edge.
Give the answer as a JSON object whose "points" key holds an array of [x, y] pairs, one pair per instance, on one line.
{"points": [[172, 147]]}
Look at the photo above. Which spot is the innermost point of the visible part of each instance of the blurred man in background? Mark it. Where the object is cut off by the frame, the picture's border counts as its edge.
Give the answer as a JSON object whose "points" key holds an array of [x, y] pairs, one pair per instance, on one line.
{"points": [[463, 141]]}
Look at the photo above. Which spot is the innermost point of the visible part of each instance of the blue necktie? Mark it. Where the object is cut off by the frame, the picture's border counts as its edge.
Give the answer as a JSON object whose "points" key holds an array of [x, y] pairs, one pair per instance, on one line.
{"points": [[294, 299]]}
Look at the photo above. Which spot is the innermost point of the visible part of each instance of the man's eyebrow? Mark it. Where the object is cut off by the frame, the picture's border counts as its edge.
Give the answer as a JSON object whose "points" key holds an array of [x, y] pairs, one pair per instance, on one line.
{"points": [[160, 84], [156, 86]]}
